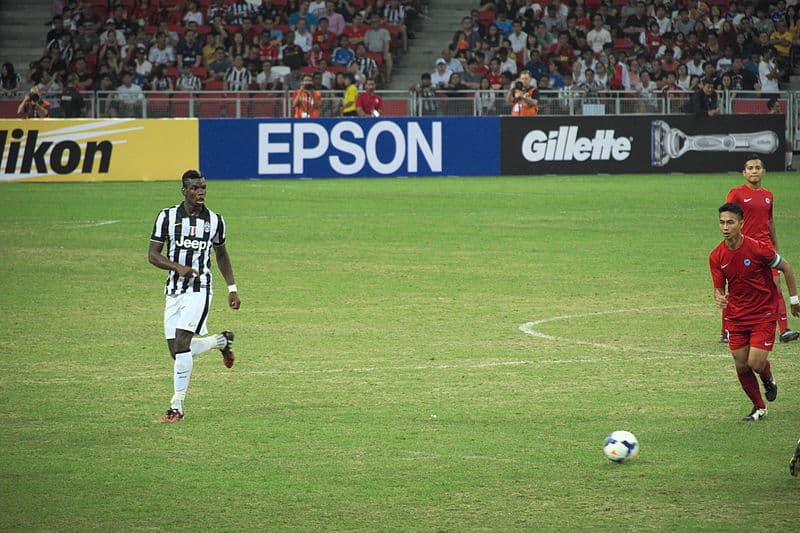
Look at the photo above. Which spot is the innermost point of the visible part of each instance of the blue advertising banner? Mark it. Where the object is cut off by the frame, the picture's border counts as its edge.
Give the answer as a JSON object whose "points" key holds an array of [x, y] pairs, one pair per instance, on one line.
{"points": [[344, 147]]}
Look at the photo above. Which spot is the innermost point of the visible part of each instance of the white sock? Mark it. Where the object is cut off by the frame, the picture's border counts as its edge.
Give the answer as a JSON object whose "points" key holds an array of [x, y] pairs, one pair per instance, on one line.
{"points": [[201, 345], [788, 158], [183, 372]]}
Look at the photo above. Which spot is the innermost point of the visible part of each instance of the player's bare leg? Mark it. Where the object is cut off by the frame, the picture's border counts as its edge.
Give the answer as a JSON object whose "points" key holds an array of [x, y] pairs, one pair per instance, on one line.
{"points": [[786, 334]]}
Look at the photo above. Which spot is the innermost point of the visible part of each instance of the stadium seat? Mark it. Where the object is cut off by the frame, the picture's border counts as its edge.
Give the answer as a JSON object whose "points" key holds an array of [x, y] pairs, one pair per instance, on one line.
{"points": [[216, 106], [214, 85], [755, 106], [158, 104], [200, 72], [181, 104], [377, 56], [395, 107], [8, 109], [173, 73], [262, 106]]}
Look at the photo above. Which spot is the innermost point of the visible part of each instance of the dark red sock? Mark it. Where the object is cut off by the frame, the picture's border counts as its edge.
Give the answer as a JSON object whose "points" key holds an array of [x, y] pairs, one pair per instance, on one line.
{"points": [[751, 388], [722, 331], [783, 322], [766, 373]]}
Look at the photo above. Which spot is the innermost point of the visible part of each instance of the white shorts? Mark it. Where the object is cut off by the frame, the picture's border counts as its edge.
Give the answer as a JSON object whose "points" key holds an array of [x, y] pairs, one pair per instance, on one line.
{"points": [[188, 311]]}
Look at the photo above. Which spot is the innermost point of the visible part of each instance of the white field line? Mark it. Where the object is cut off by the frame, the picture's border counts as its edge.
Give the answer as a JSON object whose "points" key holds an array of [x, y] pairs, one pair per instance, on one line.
{"points": [[89, 224], [528, 328]]}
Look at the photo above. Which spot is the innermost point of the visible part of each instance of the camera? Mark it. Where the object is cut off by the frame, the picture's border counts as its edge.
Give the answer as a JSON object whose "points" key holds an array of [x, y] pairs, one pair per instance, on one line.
{"points": [[34, 97], [518, 86], [308, 87]]}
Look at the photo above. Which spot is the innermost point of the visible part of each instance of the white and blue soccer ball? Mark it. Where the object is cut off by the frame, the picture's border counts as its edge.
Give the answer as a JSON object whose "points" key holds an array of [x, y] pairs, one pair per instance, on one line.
{"points": [[621, 446]]}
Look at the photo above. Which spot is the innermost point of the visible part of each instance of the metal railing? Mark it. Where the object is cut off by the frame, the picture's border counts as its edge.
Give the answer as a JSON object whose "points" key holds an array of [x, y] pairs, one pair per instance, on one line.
{"points": [[277, 104]]}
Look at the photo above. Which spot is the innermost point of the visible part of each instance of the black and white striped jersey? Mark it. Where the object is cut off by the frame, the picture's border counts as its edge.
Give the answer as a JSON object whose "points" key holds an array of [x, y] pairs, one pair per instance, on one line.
{"points": [[189, 240], [238, 79]]}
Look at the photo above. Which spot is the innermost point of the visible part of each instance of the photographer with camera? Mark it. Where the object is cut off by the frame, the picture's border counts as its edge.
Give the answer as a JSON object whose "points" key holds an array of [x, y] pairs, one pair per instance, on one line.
{"points": [[32, 106], [306, 102], [523, 97]]}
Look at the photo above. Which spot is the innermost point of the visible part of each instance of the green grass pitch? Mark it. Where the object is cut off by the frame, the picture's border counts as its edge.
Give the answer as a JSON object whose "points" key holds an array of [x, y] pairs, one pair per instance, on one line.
{"points": [[382, 380]]}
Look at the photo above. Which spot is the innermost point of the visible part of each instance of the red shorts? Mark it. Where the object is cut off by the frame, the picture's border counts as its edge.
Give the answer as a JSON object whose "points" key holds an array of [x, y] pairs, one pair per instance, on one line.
{"points": [[776, 273], [761, 336]]}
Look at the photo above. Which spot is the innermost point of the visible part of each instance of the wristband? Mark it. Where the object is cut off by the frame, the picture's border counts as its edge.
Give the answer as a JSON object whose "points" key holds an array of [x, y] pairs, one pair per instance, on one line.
{"points": [[794, 300], [232, 288]]}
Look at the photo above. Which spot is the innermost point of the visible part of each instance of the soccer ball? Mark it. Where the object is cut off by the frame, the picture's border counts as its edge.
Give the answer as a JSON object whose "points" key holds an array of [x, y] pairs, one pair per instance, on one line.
{"points": [[621, 446]]}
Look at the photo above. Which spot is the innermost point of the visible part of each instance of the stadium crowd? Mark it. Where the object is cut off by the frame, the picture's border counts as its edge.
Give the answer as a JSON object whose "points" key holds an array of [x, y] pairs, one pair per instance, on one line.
{"points": [[130, 46], [647, 49]]}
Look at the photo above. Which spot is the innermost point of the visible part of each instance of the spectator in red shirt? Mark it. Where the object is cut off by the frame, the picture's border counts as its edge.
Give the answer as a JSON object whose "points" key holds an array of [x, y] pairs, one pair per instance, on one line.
{"points": [[356, 30], [368, 103], [562, 53], [324, 37]]}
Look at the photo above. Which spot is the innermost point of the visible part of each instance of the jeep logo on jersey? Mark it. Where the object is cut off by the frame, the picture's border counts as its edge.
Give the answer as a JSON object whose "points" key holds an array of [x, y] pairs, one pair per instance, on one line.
{"points": [[564, 144], [190, 244]]}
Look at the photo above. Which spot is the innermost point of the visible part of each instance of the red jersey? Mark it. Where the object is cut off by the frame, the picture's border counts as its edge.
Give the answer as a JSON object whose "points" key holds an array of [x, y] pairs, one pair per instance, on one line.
{"points": [[326, 41], [757, 207], [752, 295], [370, 102], [356, 35]]}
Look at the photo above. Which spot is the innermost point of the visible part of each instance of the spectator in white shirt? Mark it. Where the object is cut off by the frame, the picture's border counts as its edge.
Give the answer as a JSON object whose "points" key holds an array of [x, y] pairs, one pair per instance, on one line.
{"points": [[129, 96], [517, 37], [192, 14], [303, 37], [441, 76], [598, 36], [768, 72], [111, 28], [695, 66], [161, 53], [317, 7]]}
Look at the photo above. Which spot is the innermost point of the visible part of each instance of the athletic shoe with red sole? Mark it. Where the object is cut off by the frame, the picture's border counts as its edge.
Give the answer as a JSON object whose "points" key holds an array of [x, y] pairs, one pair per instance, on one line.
{"points": [[228, 357], [173, 415]]}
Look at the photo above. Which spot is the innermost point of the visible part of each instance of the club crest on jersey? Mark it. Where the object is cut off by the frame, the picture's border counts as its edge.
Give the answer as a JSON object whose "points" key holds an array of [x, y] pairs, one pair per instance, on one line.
{"points": [[747, 262], [767, 200]]}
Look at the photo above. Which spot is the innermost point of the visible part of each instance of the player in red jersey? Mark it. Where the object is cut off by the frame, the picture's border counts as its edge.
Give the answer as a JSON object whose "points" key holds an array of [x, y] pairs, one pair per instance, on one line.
{"points": [[743, 266], [369, 103], [757, 202]]}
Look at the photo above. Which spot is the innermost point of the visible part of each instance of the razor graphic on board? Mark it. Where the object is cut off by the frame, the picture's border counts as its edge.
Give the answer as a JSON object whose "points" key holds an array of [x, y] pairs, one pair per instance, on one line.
{"points": [[669, 143]]}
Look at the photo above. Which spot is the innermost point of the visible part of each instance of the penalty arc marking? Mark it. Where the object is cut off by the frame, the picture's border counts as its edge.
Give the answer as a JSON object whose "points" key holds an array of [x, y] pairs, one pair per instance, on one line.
{"points": [[529, 329]]}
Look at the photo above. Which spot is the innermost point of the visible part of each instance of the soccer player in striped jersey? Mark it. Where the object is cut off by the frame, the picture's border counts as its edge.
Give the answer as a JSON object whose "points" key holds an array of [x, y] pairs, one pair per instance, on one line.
{"points": [[190, 230], [743, 266], [757, 204]]}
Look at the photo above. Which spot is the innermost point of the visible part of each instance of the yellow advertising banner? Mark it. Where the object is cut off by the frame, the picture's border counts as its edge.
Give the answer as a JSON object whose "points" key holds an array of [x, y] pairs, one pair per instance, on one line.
{"points": [[97, 150]]}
